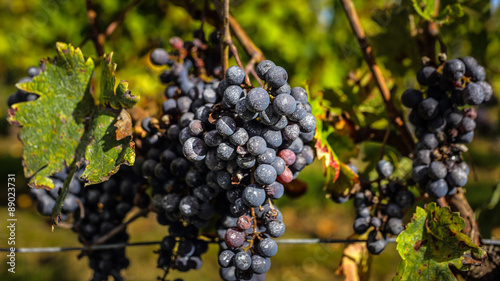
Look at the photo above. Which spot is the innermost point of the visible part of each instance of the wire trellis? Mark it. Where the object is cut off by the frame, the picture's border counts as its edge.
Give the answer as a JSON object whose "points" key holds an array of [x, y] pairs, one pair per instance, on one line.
{"points": [[291, 241]]}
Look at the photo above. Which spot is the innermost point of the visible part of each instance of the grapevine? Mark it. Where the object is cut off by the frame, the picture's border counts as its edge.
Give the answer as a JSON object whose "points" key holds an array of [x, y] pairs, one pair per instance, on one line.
{"points": [[209, 145]]}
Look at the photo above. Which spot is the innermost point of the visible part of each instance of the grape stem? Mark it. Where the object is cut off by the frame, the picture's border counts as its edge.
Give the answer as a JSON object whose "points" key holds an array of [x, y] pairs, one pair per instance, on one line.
{"points": [[395, 116], [249, 68], [164, 274], [77, 222], [384, 142], [229, 26], [121, 227], [95, 34], [441, 202], [270, 202], [56, 210], [458, 203], [246, 42], [254, 232], [226, 37], [228, 42], [430, 35], [250, 48], [110, 29]]}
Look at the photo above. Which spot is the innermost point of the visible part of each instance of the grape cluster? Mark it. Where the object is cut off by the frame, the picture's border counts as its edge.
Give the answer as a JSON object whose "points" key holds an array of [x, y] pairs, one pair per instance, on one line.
{"points": [[443, 124], [202, 54], [237, 235], [105, 207], [46, 199], [181, 250], [224, 147], [21, 95], [182, 190], [254, 142], [381, 207]]}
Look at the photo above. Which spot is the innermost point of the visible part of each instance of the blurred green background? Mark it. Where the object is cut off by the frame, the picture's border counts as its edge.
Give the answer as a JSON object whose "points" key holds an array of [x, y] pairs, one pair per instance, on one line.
{"points": [[313, 42]]}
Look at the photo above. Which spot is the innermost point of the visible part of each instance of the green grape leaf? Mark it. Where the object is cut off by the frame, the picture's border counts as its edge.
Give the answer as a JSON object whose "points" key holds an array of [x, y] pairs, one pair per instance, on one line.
{"points": [[427, 10], [111, 128], [344, 98], [432, 242], [450, 13], [424, 8], [53, 125], [65, 126]]}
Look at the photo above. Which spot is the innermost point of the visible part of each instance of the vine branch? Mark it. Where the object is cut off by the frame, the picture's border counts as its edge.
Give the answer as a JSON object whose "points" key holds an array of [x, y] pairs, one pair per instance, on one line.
{"points": [[227, 42], [250, 48], [226, 37], [246, 42], [96, 35], [458, 203], [120, 227], [120, 18], [394, 115]]}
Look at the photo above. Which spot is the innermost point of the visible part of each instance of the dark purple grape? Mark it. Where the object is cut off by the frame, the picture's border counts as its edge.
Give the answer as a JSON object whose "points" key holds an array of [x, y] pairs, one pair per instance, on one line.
{"points": [[260, 264], [257, 100], [265, 174], [240, 137], [361, 225], [299, 94], [457, 177], [437, 188], [242, 260], [267, 247], [273, 138], [454, 70], [235, 75], [427, 76], [226, 258], [253, 195], [374, 244], [194, 149], [285, 89], [256, 145], [159, 56], [411, 98], [226, 126], [189, 206], [384, 168], [428, 108], [276, 76], [284, 104], [437, 170], [263, 67], [473, 94]]}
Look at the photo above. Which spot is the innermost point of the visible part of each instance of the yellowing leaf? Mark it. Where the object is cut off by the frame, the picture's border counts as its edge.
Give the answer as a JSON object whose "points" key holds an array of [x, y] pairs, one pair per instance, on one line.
{"points": [[432, 242], [355, 262], [65, 126]]}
